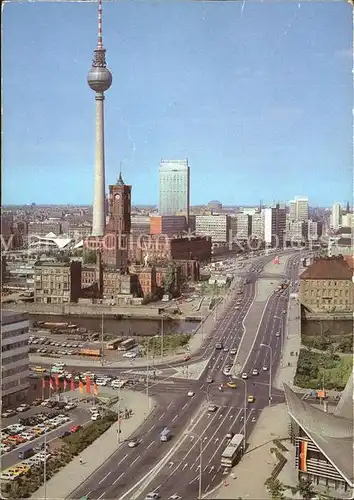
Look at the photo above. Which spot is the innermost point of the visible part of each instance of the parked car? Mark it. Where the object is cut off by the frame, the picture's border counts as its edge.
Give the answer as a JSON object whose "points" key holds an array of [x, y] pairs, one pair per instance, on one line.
{"points": [[23, 407], [8, 413]]}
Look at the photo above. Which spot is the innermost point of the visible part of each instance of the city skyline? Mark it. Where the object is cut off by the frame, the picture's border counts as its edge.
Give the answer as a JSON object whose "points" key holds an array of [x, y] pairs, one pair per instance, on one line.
{"points": [[179, 119]]}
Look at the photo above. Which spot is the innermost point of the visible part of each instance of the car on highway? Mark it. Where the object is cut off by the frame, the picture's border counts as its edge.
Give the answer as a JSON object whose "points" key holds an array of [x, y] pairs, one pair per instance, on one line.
{"points": [[226, 349], [265, 368], [232, 385], [277, 334], [186, 358], [244, 376], [218, 345], [133, 443], [152, 496], [255, 371], [230, 435], [209, 379], [174, 497], [251, 399], [212, 408], [190, 394], [227, 370], [254, 419], [233, 351]]}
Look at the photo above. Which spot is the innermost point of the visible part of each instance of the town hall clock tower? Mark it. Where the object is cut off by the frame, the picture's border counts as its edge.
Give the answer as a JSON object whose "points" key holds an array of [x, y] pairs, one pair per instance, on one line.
{"points": [[119, 215]]}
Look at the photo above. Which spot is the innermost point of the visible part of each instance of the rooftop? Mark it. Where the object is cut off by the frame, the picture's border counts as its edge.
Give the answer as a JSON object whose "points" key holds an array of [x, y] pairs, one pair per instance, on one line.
{"points": [[328, 268], [331, 433]]}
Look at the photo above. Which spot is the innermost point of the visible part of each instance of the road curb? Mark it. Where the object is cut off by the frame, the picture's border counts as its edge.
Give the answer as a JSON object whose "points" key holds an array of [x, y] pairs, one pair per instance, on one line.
{"points": [[111, 455]]}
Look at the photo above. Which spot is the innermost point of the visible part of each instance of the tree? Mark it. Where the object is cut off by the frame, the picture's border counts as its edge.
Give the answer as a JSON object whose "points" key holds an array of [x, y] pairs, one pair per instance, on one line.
{"points": [[275, 489], [89, 256], [169, 279], [306, 488]]}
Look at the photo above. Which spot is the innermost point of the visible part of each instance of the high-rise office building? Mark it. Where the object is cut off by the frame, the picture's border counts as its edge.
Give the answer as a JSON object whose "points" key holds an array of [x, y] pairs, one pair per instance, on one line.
{"points": [[14, 357], [174, 187], [299, 209], [336, 215], [274, 226]]}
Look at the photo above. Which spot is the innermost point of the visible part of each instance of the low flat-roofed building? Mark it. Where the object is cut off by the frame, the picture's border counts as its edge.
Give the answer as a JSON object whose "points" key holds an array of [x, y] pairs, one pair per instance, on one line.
{"points": [[324, 443], [14, 358]]}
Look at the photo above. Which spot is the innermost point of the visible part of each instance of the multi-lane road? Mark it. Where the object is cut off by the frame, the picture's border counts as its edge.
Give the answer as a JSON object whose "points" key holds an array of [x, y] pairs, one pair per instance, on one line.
{"points": [[199, 437]]}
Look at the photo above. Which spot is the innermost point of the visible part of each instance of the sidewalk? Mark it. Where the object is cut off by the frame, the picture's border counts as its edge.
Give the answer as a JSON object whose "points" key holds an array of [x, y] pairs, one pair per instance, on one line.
{"points": [[291, 347], [72, 475]]}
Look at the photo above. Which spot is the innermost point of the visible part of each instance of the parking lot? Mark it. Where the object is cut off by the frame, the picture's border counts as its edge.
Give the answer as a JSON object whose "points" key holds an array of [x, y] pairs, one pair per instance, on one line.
{"points": [[26, 431]]}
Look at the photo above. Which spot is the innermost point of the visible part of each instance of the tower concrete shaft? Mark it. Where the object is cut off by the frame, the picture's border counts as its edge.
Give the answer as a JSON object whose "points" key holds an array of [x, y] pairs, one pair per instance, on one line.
{"points": [[98, 222], [99, 80]]}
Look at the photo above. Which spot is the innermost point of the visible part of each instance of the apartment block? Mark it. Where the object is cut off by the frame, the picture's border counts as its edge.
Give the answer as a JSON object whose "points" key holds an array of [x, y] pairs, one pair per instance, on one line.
{"points": [[57, 283]]}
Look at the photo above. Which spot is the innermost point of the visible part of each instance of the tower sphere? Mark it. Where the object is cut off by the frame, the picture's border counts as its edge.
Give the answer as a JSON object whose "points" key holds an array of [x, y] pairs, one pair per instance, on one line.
{"points": [[99, 79]]}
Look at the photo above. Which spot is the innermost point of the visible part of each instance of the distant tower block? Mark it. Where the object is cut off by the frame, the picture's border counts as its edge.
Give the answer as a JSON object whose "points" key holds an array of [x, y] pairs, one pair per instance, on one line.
{"points": [[99, 79]]}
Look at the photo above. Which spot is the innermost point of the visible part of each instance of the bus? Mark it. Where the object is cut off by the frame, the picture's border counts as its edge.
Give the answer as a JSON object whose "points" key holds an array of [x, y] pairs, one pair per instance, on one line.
{"points": [[232, 452], [113, 344], [126, 344]]}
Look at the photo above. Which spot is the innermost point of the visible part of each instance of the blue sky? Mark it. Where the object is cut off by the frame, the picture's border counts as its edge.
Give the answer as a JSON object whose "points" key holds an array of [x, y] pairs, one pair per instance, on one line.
{"points": [[258, 99]]}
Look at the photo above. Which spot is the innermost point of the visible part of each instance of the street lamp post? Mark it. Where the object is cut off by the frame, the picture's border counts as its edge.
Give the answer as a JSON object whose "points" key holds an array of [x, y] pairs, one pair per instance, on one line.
{"points": [[45, 464], [147, 368], [200, 468], [270, 372], [102, 342], [244, 411], [281, 318], [118, 415], [162, 334]]}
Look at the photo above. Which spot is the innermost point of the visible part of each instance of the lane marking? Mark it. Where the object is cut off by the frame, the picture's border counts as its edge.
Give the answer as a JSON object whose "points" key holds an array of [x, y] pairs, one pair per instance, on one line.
{"points": [[169, 406], [108, 473], [153, 427], [103, 494], [122, 474], [152, 442], [185, 406], [122, 459], [137, 458], [163, 414]]}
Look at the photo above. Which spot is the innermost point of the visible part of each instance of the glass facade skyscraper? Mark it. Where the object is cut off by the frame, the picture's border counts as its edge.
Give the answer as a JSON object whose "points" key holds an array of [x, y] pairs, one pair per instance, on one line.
{"points": [[174, 187]]}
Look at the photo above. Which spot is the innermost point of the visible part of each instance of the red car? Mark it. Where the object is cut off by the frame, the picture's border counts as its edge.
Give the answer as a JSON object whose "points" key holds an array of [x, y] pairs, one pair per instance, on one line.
{"points": [[75, 428], [186, 358]]}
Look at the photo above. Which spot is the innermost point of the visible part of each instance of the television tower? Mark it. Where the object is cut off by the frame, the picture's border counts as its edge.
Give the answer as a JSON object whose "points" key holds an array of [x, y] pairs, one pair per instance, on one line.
{"points": [[99, 79]]}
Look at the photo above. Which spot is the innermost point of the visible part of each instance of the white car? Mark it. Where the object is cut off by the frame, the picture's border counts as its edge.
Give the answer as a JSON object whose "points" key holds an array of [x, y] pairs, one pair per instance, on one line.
{"points": [[70, 406], [28, 436], [152, 496], [244, 376], [101, 381], [265, 368], [22, 408], [115, 384], [129, 355], [277, 334], [254, 371], [133, 443], [233, 352], [190, 394], [95, 416]]}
